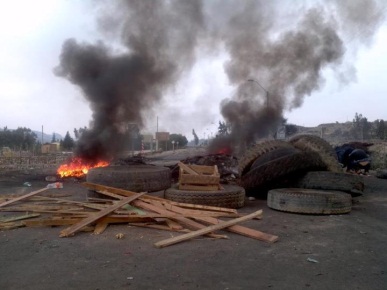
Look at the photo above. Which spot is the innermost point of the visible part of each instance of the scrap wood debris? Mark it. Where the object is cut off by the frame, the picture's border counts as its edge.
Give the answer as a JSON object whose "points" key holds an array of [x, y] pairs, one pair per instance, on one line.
{"points": [[132, 208]]}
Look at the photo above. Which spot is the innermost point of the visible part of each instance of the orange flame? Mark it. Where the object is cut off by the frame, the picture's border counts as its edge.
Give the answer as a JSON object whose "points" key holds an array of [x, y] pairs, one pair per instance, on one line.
{"points": [[77, 168]]}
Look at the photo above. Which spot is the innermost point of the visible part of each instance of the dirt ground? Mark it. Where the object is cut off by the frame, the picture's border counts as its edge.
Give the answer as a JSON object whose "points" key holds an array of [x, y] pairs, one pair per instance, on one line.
{"points": [[313, 252]]}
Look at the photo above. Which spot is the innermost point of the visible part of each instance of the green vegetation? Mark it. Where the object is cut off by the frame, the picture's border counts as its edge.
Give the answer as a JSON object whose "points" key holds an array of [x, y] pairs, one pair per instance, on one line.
{"points": [[20, 139]]}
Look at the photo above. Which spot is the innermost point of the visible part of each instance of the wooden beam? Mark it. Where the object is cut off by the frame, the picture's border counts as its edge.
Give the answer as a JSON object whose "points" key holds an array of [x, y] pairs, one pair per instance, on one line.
{"points": [[206, 230], [23, 197], [93, 217]]}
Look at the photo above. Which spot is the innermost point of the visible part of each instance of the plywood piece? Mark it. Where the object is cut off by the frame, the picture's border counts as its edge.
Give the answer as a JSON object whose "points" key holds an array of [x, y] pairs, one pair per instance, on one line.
{"points": [[93, 217], [206, 230]]}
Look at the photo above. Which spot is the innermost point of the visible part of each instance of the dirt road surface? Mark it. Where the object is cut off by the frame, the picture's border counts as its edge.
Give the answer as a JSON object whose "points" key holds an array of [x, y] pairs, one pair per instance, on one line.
{"points": [[313, 252]]}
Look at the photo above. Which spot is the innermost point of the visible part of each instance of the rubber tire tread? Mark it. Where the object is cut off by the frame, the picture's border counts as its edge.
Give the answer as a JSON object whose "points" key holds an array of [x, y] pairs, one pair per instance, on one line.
{"points": [[231, 196], [272, 155], [319, 145], [327, 180], [258, 150], [275, 169], [309, 201], [138, 178]]}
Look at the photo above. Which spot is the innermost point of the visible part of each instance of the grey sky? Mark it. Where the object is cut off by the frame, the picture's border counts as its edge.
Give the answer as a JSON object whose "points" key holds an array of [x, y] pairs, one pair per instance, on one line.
{"points": [[32, 34]]}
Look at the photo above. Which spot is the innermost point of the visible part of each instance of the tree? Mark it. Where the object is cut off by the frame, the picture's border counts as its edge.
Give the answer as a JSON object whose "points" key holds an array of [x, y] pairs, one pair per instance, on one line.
{"points": [[68, 142], [380, 129], [53, 138], [196, 138], [20, 139], [178, 139], [223, 129], [361, 127]]}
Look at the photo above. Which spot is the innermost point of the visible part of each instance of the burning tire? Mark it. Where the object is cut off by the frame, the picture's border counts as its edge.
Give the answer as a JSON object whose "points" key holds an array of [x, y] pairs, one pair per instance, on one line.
{"points": [[319, 145], [309, 201], [231, 196], [138, 178], [326, 180], [258, 150], [265, 172]]}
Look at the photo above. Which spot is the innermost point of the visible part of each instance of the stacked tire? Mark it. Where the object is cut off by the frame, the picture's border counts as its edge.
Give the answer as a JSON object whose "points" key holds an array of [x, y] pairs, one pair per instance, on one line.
{"points": [[302, 175]]}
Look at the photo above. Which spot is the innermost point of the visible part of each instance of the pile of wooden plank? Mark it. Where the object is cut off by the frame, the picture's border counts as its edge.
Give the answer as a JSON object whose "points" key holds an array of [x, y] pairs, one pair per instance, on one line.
{"points": [[125, 207]]}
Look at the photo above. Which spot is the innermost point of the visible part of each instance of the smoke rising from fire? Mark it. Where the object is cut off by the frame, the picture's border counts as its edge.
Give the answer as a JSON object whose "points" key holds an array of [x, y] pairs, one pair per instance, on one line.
{"points": [[283, 52]]}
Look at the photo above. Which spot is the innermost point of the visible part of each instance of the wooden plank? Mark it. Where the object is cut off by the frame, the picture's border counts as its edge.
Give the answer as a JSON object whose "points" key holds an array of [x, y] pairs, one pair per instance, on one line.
{"points": [[100, 227], [23, 197], [173, 225], [18, 217], [216, 171], [158, 227], [51, 222], [222, 225], [192, 213], [187, 169], [200, 206], [12, 225], [201, 179], [159, 209], [98, 215], [238, 229]]}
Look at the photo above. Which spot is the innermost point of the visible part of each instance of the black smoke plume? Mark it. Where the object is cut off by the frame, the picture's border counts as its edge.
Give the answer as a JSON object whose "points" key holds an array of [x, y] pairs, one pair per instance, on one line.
{"points": [[283, 47]]}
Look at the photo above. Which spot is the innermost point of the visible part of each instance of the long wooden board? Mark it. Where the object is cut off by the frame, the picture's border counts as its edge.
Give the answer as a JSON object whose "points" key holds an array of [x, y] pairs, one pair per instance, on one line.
{"points": [[23, 197], [206, 230], [93, 217], [238, 229]]}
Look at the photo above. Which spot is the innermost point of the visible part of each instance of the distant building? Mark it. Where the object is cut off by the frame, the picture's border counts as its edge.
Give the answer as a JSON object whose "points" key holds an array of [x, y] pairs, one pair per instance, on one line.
{"points": [[50, 148]]}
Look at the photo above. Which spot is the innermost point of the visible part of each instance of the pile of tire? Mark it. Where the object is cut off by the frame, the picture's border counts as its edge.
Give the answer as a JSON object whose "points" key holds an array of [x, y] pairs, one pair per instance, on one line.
{"points": [[300, 175]]}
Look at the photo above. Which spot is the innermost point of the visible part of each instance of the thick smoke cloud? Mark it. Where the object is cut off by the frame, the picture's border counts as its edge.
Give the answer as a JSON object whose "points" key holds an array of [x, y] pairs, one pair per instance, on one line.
{"points": [[160, 44], [284, 53]]}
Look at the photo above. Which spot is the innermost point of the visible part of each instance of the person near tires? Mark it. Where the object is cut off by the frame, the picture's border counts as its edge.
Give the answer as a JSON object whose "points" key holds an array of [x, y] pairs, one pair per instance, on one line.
{"points": [[355, 160]]}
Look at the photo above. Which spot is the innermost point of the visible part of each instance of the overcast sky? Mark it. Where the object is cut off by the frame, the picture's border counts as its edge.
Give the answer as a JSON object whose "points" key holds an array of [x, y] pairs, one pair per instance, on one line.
{"points": [[32, 34]]}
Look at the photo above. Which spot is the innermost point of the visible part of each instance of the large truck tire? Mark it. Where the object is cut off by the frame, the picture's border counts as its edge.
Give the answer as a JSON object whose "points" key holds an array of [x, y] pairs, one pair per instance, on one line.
{"points": [[231, 196], [319, 145], [264, 174], [326, 180], [258, 150], [309, 201], [138, 178]]}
